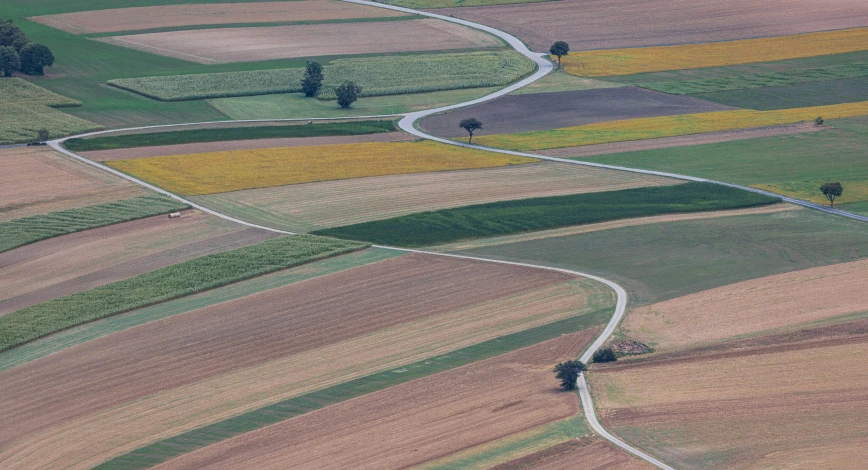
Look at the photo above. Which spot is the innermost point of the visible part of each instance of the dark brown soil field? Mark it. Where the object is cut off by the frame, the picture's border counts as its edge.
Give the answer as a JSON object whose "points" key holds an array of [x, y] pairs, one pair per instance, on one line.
{"points": [[412, 423], [541, 111], [614, 24], [184, 349], [587, 453], [80, 261]]}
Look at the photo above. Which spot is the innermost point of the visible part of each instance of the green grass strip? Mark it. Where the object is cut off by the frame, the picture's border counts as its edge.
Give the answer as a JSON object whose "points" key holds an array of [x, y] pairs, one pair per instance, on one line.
{"points": [[526, 215], [167, 449], [27, 230], [171, 282], [329, 129]]}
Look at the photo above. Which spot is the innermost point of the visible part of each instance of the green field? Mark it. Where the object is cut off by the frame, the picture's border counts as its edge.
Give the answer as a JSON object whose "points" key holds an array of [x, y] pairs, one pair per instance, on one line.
{"points": [[562, 81], [818, 93], [164, 450], [189, 277], [662, 261], [18, 232], [526, 215], [26, 108], [224, 134], [802, 161], [422, 4], [378, 76]]}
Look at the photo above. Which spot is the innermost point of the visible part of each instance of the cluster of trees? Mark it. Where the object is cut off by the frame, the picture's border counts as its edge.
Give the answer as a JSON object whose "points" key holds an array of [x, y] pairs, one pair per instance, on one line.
{"points": [[348, 92], [17, 53]]}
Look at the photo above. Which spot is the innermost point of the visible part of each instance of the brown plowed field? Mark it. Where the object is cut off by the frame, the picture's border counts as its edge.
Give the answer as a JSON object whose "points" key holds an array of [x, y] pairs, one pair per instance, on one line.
{"points": [[80, 261], [209, 46], [182, 149], [682, 141], [542, 111], [613, 24], [312, 206], [37, 180], [752, 306], [215, 362], [169, 16], [587, 453], [415, 422]]}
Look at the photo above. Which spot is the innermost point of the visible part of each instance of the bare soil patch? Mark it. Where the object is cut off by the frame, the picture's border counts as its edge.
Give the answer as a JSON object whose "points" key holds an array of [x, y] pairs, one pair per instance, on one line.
{"points": [[36, 180], [682, 141], [752, 306], [415, 422], [543, 111], [80, 261], [600, 24], [312, 206], [587, 453], [209, 46], [182, 149], [137, 18]]}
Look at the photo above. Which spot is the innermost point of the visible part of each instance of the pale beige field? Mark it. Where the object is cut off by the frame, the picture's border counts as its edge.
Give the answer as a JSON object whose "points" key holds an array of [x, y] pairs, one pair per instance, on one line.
{"points": [[313, 206], [211, 46], [37, 180], [586, 453], [169, 16], [752, 306]]}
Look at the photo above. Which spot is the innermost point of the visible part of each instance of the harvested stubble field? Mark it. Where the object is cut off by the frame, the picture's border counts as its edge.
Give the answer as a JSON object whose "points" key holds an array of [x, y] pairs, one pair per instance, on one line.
{"points": [[217, 172], [378, 76], [668, 22], [715, 54], [194, 372], [172, 16], [588, 453], [77, 262], [746, 404], [666, 126], [313, 206], [213, 46], [37, 180], [414, 422], [543, 111]]}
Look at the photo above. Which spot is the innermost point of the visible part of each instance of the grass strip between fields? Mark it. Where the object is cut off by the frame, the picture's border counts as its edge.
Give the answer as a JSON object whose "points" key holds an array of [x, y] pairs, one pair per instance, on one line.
{"points": [[167, 449], [171, 282], [153, 139], [26, 230], [526, 215]]}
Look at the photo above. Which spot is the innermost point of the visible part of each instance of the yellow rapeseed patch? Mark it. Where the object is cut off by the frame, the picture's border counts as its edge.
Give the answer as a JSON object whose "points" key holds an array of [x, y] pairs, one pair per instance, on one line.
{"points": [[691, 56], [218, 172], [666, 126]]}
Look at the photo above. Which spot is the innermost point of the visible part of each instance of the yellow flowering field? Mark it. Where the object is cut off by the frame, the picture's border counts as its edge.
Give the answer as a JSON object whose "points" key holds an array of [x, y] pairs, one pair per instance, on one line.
{"points": [[666, 126], [690, 56], [219, 172], [854, 190]]}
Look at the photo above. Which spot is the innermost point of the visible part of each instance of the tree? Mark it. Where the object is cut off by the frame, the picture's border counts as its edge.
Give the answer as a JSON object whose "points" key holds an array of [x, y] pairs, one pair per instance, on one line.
{"points": [[11, 35], [9, 60], [568, 372], [559, 49], [819, 121], [43, 135], [34, 57], [312, 81], [605, 355], [831, 191], [348, 93], [470, 125]]}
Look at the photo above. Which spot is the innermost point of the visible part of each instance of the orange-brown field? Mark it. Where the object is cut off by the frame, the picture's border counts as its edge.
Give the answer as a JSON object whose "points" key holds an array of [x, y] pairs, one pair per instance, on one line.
{"points": [[209, 46], [36, 180], [80, 261], [415, 422], [169, 16]]}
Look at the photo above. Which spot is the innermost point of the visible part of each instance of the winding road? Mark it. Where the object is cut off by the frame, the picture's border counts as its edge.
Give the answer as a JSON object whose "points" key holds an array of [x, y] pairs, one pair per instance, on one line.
{"points": [[407, 123]]}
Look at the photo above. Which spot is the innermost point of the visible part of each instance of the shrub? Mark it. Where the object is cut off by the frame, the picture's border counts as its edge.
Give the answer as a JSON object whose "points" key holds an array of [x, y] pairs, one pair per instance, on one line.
{"points": [[605, 355], [347, 93]]}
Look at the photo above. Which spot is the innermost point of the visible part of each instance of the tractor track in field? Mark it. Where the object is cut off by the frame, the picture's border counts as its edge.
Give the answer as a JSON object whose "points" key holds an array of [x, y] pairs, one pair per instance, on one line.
{"points": [[407, 124]]}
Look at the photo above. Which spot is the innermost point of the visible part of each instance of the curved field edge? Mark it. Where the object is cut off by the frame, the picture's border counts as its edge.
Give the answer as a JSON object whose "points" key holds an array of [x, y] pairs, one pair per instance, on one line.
{"points": [[167, 449], [535, 214], [189, 277], [80, 334]]}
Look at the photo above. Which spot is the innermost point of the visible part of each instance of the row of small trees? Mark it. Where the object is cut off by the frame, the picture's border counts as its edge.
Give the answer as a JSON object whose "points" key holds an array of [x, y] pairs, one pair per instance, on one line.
{"points": [[18, 54], [347, 93]]}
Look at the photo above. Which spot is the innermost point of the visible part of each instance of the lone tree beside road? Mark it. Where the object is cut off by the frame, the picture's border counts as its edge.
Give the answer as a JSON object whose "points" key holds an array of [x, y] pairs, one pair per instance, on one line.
{"points": [[470, 125], [348, 93], [312, 81], [568, 372], [559, 49], [831, 191]]}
